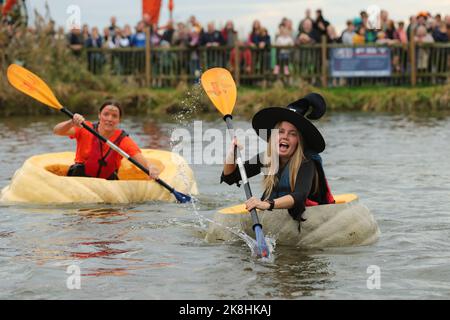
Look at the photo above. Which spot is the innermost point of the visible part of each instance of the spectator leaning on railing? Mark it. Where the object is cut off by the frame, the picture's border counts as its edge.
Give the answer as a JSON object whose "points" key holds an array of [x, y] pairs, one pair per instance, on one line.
{"points": [[422, 36], [212, 37], [332, 35], [348, 34], [194, 59], [109, 40], [181, 35], [411, 26], [360, 35], [288, 26], [309, 35], [390, 30], [401, 33], [283, 39], [138, 39], [320, 24], [440, 32], [167, 36], [361, 24], [95, 40], [95, 59], [383, 39], [127, 32], [263, 39], [155, 38], [307, 17], [230, 36], [122, 41], [113, 26], [422, 18], [194, 23], [85, 32], [259, 41], [76, 41], [253, 37]]}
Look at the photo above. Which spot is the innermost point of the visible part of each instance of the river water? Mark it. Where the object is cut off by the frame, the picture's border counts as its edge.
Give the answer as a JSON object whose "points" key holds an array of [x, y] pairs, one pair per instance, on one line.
{"points": [[398, 165]]}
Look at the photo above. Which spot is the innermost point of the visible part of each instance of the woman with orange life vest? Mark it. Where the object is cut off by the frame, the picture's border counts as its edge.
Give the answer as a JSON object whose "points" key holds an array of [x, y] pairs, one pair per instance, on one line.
{"points": [[93, 157], [294, 177]]}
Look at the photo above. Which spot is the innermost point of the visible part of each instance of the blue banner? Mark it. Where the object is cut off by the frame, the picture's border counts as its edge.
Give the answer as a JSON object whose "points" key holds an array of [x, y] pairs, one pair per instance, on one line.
{"points": [[360, 62]]}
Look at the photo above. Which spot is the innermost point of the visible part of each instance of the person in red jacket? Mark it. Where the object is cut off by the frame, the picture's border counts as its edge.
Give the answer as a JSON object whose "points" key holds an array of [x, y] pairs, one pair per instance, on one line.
{"points": [[94, 158], [293, 174]]}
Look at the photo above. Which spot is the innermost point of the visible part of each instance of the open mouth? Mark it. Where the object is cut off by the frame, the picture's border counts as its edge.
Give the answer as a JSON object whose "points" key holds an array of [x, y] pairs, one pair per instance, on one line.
{"points": [[284, 146]]}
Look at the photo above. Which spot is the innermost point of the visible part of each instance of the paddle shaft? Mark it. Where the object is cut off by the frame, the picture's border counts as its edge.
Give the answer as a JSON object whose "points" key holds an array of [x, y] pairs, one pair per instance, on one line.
{"points": [[240, 164], [118, 150]]}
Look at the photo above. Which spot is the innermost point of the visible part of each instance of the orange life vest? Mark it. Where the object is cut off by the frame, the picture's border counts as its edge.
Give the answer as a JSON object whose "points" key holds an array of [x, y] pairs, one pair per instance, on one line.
{"points": [[100, 164]]}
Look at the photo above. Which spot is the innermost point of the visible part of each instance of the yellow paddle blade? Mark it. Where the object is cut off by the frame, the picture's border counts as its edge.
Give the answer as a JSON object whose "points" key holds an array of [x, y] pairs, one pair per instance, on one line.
{"points": [[220, 88], [30, 84]]}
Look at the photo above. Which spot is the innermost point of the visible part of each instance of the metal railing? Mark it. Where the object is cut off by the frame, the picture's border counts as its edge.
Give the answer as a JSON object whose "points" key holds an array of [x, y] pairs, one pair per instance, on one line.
{"points": [[164, 67]]}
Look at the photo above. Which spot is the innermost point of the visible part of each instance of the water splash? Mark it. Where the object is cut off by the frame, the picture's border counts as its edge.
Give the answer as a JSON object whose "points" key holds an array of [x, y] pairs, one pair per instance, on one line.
{"points": [[249, 241], [191, 104], [202, 220]]}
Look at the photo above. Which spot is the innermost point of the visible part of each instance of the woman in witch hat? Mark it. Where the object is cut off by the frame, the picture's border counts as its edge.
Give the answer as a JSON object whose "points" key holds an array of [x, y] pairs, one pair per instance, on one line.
{"points": [[294, 177]]}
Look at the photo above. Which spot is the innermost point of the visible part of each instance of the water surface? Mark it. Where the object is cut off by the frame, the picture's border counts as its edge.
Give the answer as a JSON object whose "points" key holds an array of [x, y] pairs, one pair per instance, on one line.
{"points": [[398, 166]]}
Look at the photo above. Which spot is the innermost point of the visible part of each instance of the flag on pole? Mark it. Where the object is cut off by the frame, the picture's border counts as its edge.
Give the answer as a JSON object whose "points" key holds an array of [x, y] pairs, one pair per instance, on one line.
{"points": [[170, 8], [150, 10], [8, 6]]}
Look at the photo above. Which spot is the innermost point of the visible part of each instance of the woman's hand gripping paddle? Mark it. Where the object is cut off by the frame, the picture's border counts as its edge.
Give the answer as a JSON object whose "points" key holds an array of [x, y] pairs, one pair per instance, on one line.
{"points": [[30, 84], [221, 90]]}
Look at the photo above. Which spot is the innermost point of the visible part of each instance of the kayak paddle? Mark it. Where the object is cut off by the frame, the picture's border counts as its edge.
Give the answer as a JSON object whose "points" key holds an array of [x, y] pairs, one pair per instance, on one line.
{"points": [[30, 84], [221, 90]]}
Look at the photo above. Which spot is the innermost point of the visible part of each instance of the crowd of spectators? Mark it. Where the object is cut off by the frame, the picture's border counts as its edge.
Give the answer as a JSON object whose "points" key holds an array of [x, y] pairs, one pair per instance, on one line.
{"points": [[428, 28], [311, 30]]}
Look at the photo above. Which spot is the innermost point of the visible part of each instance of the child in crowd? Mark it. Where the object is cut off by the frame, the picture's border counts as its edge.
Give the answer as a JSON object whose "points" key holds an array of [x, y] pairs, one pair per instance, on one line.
{"points": [[284, 39]]}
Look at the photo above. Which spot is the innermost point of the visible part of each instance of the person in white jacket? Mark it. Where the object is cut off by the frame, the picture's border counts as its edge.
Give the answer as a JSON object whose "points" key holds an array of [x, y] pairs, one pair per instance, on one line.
{"points": [[284, 39]]}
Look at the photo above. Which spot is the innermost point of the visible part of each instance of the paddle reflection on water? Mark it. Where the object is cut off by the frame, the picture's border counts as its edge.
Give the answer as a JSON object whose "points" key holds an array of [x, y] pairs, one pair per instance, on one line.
{"points": [[105, 215], [98, 248]]}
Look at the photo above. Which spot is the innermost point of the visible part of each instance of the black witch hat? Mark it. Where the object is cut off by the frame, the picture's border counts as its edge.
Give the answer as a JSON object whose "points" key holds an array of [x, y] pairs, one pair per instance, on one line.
{"points": [[312, 107]]}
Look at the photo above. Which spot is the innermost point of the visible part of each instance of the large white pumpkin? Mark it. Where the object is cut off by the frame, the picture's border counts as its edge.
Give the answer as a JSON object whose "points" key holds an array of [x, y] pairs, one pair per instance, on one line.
{"points": [[346, 223], [42, 179]]}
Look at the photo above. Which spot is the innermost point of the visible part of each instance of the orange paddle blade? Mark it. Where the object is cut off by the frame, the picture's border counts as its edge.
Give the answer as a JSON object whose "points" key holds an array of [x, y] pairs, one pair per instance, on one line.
{"points": [[220, 88], [30, 84]]}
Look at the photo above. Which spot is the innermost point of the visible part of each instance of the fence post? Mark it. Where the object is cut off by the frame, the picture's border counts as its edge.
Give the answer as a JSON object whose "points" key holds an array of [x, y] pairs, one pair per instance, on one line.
{"points": [[148, 61], [237, 63], [412, 57], [324, 62]]}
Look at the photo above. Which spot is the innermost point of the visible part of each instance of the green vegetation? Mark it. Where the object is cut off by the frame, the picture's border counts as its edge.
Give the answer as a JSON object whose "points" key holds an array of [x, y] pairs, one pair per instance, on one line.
{"points": [[48, 55], [155, 102], [379, 99]]}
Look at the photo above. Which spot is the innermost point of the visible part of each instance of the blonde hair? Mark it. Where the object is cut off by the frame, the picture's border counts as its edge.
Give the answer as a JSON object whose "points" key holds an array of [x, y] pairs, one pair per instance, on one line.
{"points": [[270, 179]]}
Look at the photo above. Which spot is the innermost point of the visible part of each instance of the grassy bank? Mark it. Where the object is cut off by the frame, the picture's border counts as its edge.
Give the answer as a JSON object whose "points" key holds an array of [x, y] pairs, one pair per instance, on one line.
{"points": [[83, 92], [186, 99], [378, 99]]}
